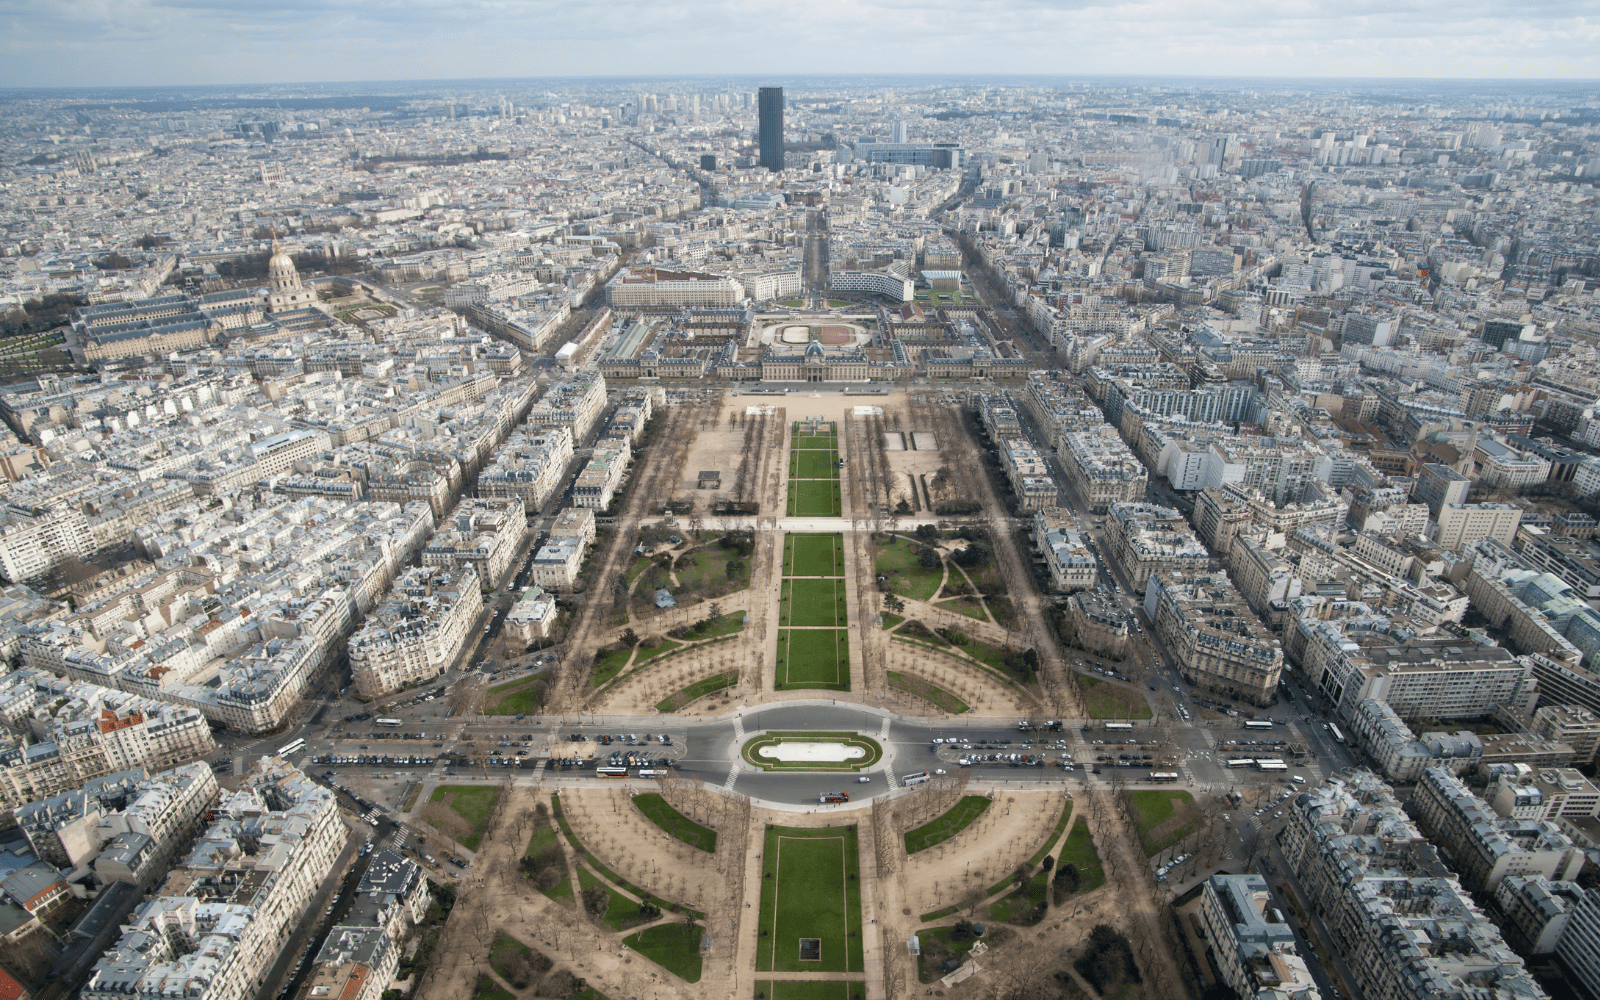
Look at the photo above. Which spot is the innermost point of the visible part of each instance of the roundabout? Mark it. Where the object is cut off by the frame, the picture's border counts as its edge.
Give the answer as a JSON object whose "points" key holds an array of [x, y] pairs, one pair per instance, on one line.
{"points": [[811, 751]]}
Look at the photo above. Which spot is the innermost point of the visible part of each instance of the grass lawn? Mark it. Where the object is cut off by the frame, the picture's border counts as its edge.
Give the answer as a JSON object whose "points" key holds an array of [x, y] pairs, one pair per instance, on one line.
{"points": [[1112, 701], [667, 646], [897, 559], [810, 889], [841, 303], [728, 624], [640, 564], [1079, 852], [801, 989], [1022, 907], [543, 837], [890, 619], [562, 893], [813, 555], [1055, 835], [504, 949], [488, 989], [813, 464], [813, 658], [609, 665], [1161, 814], [706, 568], [674, 947], [676, 823], [815, 498], [819, 603], [792, 303], [944, 827], [957, 949], [964, 606], [938, 696], [699, 689], [472, 803], [516, 698], [621, 912]]}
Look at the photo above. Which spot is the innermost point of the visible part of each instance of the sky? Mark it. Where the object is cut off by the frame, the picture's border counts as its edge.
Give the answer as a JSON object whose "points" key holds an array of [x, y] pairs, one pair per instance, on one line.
{"points": [[63, 43]]}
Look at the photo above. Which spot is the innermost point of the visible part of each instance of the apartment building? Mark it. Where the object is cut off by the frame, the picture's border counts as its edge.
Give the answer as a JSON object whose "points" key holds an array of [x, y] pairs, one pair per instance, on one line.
{"points": [[1459, 525], [486, 532], [639, 287], [528, 466], [1574, 725], [417, 633], [1440, 486], [1100, 467], [1484, 847], [1101, 622], [598, 481], [1028, 474], [556, 564], [1250, 941], [576, 403], [1265, 579], [574, 522], [532, 617], [1553, 793], [359, 957], [1218, 642], [1144, 539], [1066, 555], [1535, 910], [1388, 742], [1404, 925], [217, 924]]}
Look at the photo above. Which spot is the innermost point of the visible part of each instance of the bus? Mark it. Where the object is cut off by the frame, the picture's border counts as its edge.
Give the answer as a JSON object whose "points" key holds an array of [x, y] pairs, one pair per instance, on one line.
{"points": [[1164, 776], [827, 797], [651, 773], [1271, 765], [610, 772], [293, 747], [387, 722], [1258, 724], [1338, 737], [1242, 762], [1123, 726], [915, 779]]}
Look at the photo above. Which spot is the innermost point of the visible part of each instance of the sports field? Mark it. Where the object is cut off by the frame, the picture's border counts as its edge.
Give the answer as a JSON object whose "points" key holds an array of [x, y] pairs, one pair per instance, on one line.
{"points": [[810, 901], [814, 603], [813, 658], [813, 555]]}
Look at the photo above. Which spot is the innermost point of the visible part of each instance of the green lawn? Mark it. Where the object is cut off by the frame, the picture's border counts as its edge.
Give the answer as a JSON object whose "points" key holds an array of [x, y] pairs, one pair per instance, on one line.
{"points": [[890, 619], [815, 498], [609, 665], [811, 602], [676, 823], [1105, 700], [699, 689], [802, 989], [809, 464], [504, 949], [640, 564], [1079, 852], [473, 804], [1022, 907], [488, 989], [705, 568], [674, 947], [562, 893], [1055, 835], [516, 698], [813, 555], [957, 949], [621, 912], [813, 658], [667, 646], [965, 606], [543, 837], [938, 696], [1155, 807], [810, 889], [944, 827], [898, 559]]}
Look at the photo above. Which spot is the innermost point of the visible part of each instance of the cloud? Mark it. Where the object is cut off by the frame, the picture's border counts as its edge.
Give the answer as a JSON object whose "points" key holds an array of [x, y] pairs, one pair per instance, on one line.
{"points": [[173, 42]]}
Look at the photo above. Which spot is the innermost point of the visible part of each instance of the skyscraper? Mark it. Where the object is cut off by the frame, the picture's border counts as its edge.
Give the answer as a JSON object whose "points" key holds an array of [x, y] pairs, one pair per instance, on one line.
{"points": [[772, 128], [899, 132]]}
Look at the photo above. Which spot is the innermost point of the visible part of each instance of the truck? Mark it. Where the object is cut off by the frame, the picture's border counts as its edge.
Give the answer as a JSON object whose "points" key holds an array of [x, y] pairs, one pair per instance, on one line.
{"points": [[827, 797]]}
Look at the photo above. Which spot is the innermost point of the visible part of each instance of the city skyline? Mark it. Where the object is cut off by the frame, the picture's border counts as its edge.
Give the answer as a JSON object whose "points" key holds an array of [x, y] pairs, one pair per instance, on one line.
{"points": [[199, 42]]}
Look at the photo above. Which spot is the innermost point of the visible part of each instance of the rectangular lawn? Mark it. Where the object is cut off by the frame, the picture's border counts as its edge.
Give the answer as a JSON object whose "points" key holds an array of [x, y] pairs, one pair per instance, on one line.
{"points": [[470, 802], [813, 658], [814, 555], [814, 892], [815, 498], [818, 603], [813, 465]]}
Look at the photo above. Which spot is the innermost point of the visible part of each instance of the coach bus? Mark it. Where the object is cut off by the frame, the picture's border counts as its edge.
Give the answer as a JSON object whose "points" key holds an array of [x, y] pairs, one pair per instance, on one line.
{"points": [[610, 772], [1242, 762], [1114, 726], [293, 747], [1164, 776], [915, 779], [1271, 765], [387, 722], [1338, 737], [1258, 724]]}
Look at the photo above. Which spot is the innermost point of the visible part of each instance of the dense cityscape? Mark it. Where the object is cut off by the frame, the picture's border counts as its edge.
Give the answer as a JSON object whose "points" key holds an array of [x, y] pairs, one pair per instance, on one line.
{"points": [[1013, 539]]}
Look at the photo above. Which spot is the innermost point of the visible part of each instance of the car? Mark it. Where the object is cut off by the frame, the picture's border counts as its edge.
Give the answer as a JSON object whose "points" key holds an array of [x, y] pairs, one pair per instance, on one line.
{"points": [[940, 771], [863, 779]]}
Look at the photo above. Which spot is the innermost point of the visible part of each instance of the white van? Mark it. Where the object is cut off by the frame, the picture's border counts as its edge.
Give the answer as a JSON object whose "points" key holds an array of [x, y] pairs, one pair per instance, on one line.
{"points": [[1297, 779]]}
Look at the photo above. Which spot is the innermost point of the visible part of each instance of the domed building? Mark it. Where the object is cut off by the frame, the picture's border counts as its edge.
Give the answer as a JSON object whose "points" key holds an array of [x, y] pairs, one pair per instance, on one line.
{"points": [[287, 293]]}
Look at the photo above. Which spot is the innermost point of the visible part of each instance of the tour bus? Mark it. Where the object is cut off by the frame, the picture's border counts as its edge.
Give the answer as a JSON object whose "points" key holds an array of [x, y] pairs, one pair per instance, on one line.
{"points": [[1242, 762], [1164, 776], [1115, 726], [611, 772], [834, 797], [651, 773], [387, 722], [289, 748], [1271, 765], [915, 779], [1338, 737], [1257, 724]]}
